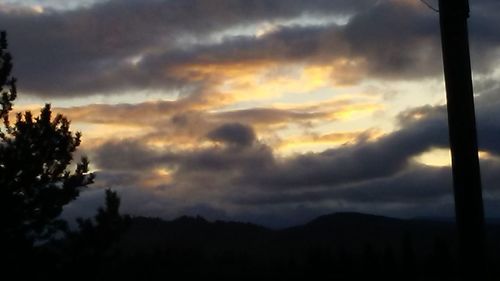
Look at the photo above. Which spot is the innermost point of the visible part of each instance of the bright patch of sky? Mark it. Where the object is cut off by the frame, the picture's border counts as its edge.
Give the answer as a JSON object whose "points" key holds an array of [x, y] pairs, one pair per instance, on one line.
{"points": [[438, 157]]}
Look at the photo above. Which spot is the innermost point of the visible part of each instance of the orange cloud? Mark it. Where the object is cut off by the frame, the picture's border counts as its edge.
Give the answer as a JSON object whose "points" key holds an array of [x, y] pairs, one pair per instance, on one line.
{"points": [[157, 177], [263, 80], [319, 142]]}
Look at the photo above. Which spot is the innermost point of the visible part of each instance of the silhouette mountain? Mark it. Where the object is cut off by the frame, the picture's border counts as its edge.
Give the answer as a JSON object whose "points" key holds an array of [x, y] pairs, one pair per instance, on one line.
{"points": [[351, 230], [340, 246], [154, 233]]}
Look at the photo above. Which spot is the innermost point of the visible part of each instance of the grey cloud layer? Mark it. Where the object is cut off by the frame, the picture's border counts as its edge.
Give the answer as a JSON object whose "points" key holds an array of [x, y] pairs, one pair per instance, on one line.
{"points": [[233, 134], [66, 53], [83, 51]]}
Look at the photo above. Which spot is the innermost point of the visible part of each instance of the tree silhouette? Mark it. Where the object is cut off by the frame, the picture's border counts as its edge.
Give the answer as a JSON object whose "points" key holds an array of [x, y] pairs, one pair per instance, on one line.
{"points": [[92, 245], [100, 234], [35, 156]]}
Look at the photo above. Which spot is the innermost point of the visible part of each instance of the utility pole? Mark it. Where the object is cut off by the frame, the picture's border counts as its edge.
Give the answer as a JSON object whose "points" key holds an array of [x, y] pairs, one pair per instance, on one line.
{"points": [[463, 137]]}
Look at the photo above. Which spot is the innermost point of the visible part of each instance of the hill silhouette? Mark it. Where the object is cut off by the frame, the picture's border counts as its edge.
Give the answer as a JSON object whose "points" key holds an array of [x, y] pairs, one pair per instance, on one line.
{"points": [[146, 234], [346, 246], [348, 229]]}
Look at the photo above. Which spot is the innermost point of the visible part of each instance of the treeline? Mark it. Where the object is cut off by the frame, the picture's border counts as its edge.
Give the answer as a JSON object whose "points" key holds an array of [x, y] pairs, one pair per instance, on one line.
{"points": [[193, 248]]}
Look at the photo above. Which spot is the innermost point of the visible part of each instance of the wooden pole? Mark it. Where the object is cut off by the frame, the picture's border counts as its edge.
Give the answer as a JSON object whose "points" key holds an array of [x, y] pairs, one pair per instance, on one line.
{"points": [[463, 137]]}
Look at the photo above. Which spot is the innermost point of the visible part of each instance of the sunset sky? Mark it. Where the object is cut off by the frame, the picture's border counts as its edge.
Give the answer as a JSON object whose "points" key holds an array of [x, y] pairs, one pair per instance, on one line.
{"points": [[268, 111]]}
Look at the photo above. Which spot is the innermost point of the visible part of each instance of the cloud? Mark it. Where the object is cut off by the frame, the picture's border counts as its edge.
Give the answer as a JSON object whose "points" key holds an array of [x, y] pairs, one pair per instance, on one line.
{"points": [[233, 134], [411, 185], [125, 155], [358, 162], [225, 66], [248, 180], [105, 38], [119, 46], [184, 124], [179, 112]]}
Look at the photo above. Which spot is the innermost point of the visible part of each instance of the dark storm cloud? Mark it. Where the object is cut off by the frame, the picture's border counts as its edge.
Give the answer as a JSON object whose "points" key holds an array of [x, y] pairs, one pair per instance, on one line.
{"points": [[484, 36], [133, 155], [365, 160], [125, 155], [87, 49], [128, 45], [488, 121], [292, 43], [234, 134], [225, 163], [397, 40], [415, 183], [382, 171], [487, 118], [416, 187]]}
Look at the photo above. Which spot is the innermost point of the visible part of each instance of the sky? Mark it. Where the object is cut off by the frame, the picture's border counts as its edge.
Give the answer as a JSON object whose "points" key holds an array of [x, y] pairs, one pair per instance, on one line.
{"points": [[265, 111]]}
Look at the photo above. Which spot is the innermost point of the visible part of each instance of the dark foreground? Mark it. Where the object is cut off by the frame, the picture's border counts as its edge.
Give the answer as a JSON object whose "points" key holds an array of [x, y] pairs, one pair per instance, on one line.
{"points": [[344, 246]]}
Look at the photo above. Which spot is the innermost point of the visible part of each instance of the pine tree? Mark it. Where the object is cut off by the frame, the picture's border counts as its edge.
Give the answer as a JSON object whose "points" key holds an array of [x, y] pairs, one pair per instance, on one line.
{"points": [[36, 153], [104, 230], [93, 245]]}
